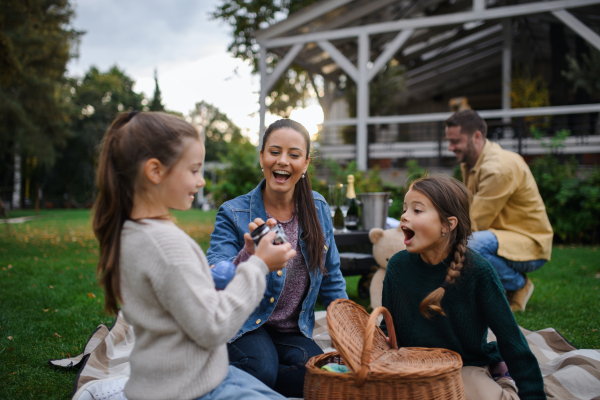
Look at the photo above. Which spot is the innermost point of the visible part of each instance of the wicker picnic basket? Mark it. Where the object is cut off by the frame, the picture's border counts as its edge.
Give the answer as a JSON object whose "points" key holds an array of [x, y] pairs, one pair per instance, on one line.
{"points": [[379, 370]]}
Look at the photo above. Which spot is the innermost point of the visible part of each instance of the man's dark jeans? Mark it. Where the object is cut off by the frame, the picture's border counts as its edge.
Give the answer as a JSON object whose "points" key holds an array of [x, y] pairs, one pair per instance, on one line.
{"points": [[277, 359]]}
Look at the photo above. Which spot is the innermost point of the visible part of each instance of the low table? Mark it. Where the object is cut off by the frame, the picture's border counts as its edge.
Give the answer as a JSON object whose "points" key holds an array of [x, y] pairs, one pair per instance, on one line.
{"points": [[354, 263]]}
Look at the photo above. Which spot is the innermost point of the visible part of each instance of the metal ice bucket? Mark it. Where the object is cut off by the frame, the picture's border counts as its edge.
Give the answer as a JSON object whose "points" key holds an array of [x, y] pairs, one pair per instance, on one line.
{"points": [[373, 209]]}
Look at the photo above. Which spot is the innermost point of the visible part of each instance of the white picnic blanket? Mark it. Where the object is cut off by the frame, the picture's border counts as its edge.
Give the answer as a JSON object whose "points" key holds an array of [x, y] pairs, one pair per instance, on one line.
{"points": [[569, 373]]}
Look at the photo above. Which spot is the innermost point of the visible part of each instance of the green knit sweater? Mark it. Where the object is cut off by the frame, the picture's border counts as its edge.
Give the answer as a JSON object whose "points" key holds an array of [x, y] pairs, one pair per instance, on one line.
{"points": [[473, 303]]}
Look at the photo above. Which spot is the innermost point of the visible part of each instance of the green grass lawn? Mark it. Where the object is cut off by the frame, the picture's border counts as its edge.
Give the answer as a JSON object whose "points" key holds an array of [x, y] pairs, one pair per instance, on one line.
{"points": [[50, 302]]}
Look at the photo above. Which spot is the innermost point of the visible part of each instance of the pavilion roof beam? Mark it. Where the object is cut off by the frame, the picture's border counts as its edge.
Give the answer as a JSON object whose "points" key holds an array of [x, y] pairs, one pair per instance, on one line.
{"points": [[470, 37], [299, 18], [340, 59], [438, 20], [355, 14], [462, 42], [440, 62], [282, 66], [480, 55], [389, 52], [580, 28]]}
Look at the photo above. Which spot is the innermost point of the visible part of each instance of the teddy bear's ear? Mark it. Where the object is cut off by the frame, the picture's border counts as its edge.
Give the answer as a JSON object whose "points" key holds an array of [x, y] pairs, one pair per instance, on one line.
{"points": [[375, 234]]}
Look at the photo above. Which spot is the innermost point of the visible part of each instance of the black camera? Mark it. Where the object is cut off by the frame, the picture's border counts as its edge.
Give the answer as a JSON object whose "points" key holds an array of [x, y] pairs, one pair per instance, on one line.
{"points": [[262, 230]]}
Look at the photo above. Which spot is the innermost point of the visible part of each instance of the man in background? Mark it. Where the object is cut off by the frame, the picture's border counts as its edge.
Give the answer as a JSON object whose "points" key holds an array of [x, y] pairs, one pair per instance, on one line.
{"points": [[510, 225]]}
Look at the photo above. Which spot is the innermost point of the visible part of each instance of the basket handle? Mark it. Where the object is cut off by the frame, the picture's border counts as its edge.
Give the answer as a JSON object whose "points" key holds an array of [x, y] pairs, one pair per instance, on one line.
{"points": [[368, 343]]}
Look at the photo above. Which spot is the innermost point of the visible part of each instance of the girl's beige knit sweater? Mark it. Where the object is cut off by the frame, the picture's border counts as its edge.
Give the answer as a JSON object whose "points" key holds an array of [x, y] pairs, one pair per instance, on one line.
{"points": [[181, 322]]}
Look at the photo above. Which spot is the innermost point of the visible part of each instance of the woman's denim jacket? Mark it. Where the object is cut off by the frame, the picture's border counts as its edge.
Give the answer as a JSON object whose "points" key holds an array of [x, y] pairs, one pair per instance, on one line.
{"points": [[227, 240]]}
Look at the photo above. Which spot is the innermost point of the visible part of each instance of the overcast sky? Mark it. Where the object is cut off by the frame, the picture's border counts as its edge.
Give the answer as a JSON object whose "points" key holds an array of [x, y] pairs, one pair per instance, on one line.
{"points": [[180, 40]]}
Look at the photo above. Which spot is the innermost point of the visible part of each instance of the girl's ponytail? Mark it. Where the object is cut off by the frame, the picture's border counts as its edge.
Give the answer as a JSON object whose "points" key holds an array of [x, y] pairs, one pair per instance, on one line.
{"points": [[451, 199], [131, 139], [112, 208]]}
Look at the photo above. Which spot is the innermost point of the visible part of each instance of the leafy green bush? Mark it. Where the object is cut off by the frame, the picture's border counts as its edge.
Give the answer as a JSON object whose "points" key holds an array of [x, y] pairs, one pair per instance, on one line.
{"points": [[241, 176], [572, 197]]}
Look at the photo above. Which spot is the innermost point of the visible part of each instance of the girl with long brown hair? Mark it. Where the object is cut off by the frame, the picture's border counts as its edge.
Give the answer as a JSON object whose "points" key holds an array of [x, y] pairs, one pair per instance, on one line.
{"points": [[441, 294], [150, 163], [275, 343]]}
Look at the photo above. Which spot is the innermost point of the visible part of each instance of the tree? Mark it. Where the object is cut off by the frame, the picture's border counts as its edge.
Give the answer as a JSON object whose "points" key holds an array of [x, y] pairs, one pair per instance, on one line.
{"points": [[586, 75], [296, 85], [156, 104], [221, 135], [35, 46], [97, 98]]}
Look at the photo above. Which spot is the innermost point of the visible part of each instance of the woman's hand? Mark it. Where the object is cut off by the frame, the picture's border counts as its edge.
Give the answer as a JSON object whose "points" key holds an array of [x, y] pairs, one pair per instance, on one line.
{"points": [[271, 222], [275, 256]]}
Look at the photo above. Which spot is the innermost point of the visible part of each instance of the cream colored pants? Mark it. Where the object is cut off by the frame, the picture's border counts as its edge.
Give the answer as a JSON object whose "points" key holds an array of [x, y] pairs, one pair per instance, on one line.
{"points": [[479, 385]]}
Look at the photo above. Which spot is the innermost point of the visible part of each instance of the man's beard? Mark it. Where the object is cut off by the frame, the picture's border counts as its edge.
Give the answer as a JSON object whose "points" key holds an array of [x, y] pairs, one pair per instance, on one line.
{"points": [[469, 155]]}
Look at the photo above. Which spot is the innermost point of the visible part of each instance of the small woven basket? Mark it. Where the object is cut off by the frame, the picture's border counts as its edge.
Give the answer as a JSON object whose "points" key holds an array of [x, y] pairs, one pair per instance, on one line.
{"points": [[379, 370]]}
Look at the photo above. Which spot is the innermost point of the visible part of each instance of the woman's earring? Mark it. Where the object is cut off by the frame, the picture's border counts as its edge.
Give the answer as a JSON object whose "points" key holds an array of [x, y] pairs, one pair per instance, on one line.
{"points": [[262, 169], [303, 174], [443, 233]]}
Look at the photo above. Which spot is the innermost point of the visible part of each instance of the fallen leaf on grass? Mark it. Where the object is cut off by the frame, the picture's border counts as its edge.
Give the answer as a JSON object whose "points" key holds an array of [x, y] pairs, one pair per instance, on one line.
{"points": [[9, 266], [91, 295], [51, 287], [46, 309], [33, 285], [10, 338], [12, 373], [11, 349], [56, 335]]}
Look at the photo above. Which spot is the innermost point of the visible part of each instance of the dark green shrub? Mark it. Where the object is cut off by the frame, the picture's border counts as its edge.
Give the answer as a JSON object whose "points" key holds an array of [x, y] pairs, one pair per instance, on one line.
{"points": [[572, 197]]}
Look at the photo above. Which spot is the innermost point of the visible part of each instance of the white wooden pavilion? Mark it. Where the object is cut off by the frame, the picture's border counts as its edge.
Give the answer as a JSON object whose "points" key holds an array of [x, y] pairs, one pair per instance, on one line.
{"points": [[442, 43]]}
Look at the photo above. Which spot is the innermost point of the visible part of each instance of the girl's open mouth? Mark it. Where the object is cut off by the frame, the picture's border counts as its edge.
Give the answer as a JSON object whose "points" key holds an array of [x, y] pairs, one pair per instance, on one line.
{"points": [[281, 176], [408, 235]]}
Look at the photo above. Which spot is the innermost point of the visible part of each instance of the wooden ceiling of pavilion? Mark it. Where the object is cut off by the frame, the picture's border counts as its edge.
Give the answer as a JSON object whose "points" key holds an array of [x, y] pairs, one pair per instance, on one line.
{"points": [[435, 58]]}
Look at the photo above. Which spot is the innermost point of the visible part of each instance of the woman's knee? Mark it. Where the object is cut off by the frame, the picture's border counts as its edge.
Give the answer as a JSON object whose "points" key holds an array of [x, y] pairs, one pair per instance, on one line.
{"points": [[263, 368], [255, 354]]}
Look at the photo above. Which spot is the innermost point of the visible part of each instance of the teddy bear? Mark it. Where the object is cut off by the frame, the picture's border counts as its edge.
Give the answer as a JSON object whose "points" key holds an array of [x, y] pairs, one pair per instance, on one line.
{"points": [[386, 243]]}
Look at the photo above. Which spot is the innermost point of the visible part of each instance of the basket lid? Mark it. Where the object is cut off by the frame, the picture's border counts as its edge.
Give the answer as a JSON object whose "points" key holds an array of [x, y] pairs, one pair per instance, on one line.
{"points": [[363, 345]]}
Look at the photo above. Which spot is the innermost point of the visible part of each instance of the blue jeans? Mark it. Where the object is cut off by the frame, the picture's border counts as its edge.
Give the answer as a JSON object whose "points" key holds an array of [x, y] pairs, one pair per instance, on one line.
{"points": [[512, 273], [239, 385], [276, 359]]}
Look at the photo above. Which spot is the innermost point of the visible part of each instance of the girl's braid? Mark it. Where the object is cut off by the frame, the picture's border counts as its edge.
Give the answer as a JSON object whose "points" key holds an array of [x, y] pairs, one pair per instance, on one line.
{"points": [[457, 264]]}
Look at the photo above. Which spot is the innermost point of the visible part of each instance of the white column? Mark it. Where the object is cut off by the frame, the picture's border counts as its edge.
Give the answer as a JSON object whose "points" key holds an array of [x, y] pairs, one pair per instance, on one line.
{"points": [[506, 66], [262, 64], [478, 5], [362, 102]]}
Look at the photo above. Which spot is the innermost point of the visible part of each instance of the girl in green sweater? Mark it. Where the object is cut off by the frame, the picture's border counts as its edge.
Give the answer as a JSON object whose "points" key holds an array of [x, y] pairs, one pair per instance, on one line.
{"points": [[443, 295]]}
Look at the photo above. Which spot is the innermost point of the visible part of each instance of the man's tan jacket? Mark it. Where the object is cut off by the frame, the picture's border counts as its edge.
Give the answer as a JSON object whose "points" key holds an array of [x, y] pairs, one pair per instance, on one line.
{"points": [[506, 201]]}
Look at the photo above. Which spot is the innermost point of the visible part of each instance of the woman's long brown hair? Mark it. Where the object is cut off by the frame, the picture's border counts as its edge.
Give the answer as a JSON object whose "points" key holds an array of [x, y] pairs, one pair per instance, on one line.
{"points": [[131, 139], [312, 233], [451, 199]]}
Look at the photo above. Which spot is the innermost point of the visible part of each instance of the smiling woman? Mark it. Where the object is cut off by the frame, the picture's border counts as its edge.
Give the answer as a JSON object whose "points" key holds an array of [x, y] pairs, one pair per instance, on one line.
{"points": [[275, 343]]}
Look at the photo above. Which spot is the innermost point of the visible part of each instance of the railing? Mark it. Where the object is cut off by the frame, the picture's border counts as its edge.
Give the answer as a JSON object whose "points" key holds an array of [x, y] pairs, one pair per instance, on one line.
{"points": [[582, 139], [588, 144]]}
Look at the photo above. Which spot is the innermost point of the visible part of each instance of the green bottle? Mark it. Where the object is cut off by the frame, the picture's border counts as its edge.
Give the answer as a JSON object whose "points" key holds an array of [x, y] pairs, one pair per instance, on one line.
{"points": [[352, 214], [338, 217]]}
